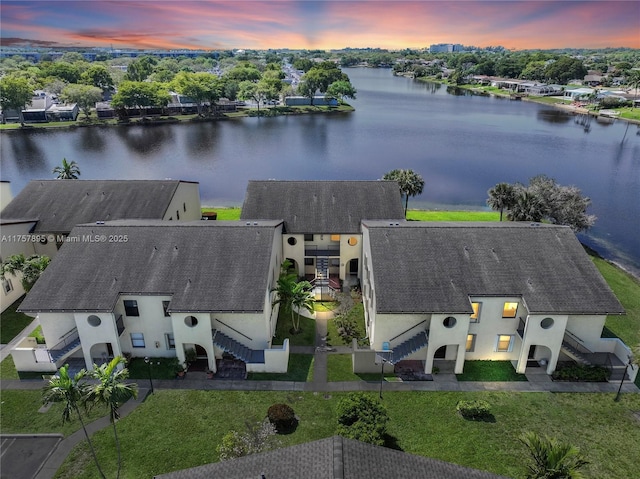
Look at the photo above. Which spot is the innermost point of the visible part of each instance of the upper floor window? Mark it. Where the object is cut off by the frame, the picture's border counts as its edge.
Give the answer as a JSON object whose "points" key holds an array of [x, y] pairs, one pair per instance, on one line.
{"points": [[308, 237], [475, 317], [131, 307], [335, 237], [165, 308], [352, 241], [509, 310], [7, 286], [449, 322]]}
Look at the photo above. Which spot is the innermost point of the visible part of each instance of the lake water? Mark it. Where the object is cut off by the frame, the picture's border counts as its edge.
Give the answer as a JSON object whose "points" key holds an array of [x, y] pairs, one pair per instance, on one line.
{"points": [[461, 144]]}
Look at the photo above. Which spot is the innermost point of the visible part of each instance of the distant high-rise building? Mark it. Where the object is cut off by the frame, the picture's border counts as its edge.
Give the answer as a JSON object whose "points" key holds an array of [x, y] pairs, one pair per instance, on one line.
{"points": [[445, 48]]}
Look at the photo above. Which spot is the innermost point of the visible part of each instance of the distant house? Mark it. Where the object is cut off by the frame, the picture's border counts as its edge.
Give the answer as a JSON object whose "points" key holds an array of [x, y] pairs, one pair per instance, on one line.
{"points": [[322, 233], [332, 458], [44, 107], [517, 292], [578, 93], [593, 80], [304, 100], [158, 289]]}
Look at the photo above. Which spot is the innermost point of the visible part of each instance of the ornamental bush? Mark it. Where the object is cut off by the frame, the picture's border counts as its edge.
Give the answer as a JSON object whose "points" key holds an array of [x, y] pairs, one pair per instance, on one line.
{"points": [[283, 418], [475, 410], [362, 417]]}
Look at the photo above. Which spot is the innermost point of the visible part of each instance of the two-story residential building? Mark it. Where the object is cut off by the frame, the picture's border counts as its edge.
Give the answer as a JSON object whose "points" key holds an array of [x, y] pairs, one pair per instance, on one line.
{"points": [[321, 234], [495, 291], [158, 289]]}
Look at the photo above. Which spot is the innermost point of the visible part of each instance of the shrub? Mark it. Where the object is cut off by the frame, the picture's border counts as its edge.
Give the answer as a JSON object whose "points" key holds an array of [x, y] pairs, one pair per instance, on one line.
{"points": [[362, 417], [258, 437], [579, 372], [476, 410], [282, 417]]}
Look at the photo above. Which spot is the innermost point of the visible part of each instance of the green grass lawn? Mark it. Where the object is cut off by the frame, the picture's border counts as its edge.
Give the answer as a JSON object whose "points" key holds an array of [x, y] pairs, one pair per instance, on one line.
{"points": [[355, 316], [300, 369], [489, 371], [421, 423], [421, 215], [340, 368], [138, 369], [12, 322], [306, 338], [224, 214]]}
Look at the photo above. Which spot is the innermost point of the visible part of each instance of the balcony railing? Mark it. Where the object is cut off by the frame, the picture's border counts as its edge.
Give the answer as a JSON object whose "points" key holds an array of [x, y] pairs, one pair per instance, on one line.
{"points": [[314, 250]]}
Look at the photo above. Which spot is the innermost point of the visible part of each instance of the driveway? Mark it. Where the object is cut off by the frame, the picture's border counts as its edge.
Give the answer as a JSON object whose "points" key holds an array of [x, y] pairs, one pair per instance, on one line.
{"points": [[24, 454]]}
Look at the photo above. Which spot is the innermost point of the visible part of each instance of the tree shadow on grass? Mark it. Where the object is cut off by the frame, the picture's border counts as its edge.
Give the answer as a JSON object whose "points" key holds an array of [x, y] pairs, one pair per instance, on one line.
{"points": [[392, 442]]}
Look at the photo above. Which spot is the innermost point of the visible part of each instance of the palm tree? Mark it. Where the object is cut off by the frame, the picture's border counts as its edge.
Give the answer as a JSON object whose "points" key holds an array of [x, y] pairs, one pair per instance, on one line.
{"points": [[501, 197], [73, 392], [31, 268], [410, 182], [284, 289], [526, 207], [552, 459], [112, 391], [68, 171], [302, 298]]}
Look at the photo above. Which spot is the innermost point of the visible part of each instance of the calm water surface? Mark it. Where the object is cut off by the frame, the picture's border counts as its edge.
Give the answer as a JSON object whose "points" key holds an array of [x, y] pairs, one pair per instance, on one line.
{"points": [[461, 144]]}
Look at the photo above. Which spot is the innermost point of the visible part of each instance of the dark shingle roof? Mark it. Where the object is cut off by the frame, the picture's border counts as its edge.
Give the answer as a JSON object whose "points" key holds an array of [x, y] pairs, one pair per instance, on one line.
{"points": [[322, 206], [205, 265], [435, 267], [59, 205], [331, 458]]}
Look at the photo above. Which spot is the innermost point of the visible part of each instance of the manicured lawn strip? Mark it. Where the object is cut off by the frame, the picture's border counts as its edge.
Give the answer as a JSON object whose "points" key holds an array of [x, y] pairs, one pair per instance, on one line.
{"points": [[300, 369], [325, 306], [306, 338], [489, 371], [8, 369], [422, 423], [419, 215], [19, 414], [355, 314], [12, 322], [138, 369], [340, 368], [224, 214], [627, 290]]}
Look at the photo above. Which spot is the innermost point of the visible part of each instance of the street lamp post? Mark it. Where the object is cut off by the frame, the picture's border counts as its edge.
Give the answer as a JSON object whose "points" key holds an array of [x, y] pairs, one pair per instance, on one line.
{"points": [[383, 360], [149, 362]]}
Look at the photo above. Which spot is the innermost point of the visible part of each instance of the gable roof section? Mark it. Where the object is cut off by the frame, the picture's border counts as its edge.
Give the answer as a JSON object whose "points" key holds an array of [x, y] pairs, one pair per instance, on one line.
{"points": [[322, 206], [331, 458], [436, 267], [204, 265], [59, 205]]}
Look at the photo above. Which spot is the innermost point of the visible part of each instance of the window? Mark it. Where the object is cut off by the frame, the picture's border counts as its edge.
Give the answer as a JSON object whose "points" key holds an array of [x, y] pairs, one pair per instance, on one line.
{"points": [[335, 237], [191, 321], [291, 240], [177, 215], [137, 340], [7, 286], [471, 343], [94, 321], [184, 207], [170, 341], [165, 308], [509, 310], [131, 307], [308, 261], [475, 317], [504, 343], [308, 237], [449, 322], [546, 323], [352, 241]]}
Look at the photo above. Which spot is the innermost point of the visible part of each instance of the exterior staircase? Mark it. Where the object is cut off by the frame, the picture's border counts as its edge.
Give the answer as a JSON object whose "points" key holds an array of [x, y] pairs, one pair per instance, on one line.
{"points": [[574, 353], [236, 348], [69, 345], [409, 346]]}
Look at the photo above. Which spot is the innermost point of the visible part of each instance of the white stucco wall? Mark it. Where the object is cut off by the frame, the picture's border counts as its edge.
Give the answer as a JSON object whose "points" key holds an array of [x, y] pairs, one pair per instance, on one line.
{"points": [[186, 336], [25, 357], [588, 328], [547, 341], [294, 251], [185, 203], [152, 323]]}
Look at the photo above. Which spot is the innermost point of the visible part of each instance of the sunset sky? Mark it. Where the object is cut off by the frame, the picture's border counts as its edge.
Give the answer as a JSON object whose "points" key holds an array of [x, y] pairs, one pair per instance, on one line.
{"points": [[321, 24]]}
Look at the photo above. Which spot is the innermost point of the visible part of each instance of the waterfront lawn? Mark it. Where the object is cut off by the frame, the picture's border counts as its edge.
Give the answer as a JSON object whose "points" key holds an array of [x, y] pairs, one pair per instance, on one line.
{"points": [[300, 369], [630, 114], [421, 215], [420, 423], [224, 214], [489, 371], [12, 322]]}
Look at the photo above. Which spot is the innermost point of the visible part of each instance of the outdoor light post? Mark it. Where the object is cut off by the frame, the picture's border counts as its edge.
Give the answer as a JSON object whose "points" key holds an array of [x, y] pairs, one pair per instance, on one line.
{"points": [[383, 360], [626, 366], [149, 362]]}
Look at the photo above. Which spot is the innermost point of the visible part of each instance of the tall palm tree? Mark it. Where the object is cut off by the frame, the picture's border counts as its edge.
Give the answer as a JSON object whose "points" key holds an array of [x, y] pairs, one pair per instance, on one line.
{"points": [[526, 207], [552, 459], [73, 392], [501, 197], [67, 171], [302, 298], [410, 182], [112, 391]]}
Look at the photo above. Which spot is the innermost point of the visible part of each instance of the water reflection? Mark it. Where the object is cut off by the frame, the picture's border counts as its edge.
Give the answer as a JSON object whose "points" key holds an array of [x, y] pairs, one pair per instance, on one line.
{"points": [[201, 139], [554, 116], [27, 152], [92, 139], [145, 139]]}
